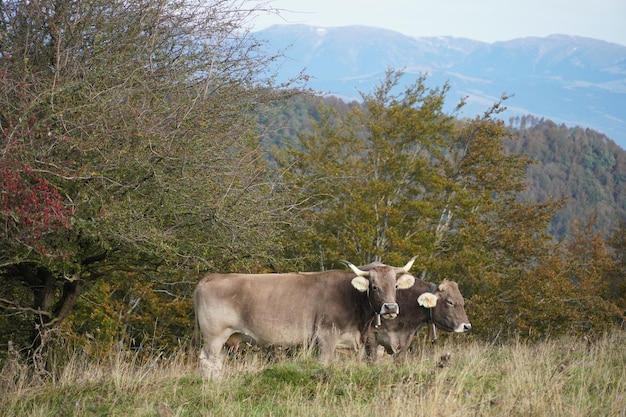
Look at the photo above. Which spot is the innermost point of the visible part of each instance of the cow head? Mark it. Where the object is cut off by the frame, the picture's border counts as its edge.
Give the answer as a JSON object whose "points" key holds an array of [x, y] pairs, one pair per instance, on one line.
{"points": [[446, 305], [381, 283]]}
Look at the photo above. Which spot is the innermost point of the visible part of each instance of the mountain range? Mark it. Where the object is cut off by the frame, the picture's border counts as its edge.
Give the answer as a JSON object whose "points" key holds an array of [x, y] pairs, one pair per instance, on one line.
{"points": [[570, 80]]}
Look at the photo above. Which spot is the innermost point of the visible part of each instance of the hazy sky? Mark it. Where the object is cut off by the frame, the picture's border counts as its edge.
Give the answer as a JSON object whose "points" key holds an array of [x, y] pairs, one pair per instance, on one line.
{"points": [[483, 20]]}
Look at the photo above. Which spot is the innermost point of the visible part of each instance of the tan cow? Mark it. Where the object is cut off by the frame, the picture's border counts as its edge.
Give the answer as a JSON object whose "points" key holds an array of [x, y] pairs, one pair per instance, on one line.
{"points": [[330, 308], [423, 303]]}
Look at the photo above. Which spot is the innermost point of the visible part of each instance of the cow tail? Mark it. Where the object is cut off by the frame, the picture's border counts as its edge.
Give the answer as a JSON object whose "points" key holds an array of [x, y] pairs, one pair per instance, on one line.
{"points": [[194, 339], [196, 324]]}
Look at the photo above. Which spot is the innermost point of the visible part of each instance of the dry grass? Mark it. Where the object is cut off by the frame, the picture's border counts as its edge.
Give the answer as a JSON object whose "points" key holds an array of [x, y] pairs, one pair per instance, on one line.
{"points": [[565, 377]]}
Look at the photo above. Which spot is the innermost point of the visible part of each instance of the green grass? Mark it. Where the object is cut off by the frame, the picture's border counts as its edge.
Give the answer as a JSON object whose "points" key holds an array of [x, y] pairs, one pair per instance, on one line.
{"points": [[458, 377]]}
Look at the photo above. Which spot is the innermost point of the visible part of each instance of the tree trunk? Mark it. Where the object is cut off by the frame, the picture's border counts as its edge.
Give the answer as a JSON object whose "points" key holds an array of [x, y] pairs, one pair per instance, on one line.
{"points": [[53, 300], [69, 296]]}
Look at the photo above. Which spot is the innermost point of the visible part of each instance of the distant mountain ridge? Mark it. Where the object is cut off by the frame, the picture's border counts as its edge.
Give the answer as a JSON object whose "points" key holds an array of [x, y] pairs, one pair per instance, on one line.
{"points": [[572, 80]]}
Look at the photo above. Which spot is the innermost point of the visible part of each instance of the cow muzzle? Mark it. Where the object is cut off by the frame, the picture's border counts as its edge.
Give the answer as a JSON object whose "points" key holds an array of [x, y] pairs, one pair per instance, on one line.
{"points": [[463, 327], [390, 311]]}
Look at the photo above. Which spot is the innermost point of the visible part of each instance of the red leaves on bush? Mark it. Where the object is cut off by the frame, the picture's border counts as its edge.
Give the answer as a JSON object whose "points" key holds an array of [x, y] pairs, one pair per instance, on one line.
{"points": [[30, 207]]}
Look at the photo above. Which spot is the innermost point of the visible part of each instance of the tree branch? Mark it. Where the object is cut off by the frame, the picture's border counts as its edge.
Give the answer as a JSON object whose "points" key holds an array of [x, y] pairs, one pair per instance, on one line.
{"points": [[8, 304]]}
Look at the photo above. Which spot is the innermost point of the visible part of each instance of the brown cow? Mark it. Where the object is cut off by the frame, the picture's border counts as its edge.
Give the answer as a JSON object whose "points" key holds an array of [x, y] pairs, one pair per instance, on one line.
{"points": [[423, 303], [330, 308]]}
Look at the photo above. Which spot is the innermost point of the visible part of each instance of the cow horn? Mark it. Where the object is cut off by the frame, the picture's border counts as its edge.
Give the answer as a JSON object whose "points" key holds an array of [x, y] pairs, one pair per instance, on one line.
{"points": [[356, 270], [408, 265]]}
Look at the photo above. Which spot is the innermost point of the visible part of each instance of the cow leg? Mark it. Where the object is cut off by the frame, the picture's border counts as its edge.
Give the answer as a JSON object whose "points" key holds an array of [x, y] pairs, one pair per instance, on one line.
{"points": [[327, 342], [211, 354], [210, 364], [376, 344], [402, 347], [361, 352], [371, 346]]}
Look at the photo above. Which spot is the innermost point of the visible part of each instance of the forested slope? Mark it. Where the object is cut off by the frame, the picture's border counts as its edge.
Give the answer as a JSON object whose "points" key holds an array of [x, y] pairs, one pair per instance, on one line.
{"points": [[580, 165]]}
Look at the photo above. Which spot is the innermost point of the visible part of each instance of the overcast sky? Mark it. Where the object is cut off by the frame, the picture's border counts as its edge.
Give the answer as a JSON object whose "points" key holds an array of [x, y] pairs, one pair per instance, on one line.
{"points": [[483, 20]]}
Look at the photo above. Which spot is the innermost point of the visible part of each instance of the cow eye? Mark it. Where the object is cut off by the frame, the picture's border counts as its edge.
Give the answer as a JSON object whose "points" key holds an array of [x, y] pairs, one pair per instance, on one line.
{"points": [[375, 287], [450, 303]]}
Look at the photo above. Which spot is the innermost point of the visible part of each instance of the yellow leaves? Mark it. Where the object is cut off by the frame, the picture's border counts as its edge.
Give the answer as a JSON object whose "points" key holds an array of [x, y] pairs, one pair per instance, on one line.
{"points": [[131, 306]]}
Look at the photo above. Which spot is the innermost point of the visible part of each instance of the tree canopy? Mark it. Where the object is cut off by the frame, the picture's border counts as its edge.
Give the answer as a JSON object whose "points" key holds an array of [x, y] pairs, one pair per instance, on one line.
{"points": [[130, 144]]}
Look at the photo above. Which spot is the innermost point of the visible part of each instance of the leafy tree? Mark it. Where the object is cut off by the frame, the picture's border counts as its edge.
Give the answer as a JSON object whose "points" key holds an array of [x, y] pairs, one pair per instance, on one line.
{"points": [[136, 127], [398, 177], [365, 176], [568, 291]]}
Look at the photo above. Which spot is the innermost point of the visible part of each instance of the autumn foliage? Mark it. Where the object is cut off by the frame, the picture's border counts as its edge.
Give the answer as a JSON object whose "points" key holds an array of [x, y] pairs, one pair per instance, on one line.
{"points": [[30, 207]]}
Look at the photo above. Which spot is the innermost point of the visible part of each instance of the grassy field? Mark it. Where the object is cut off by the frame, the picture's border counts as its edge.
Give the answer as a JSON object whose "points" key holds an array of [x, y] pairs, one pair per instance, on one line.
{"points": [[456, 377]]}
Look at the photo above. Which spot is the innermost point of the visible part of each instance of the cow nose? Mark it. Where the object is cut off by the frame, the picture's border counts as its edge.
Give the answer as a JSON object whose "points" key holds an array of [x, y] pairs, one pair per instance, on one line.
{"points": [[390, 310], [467, 327]]}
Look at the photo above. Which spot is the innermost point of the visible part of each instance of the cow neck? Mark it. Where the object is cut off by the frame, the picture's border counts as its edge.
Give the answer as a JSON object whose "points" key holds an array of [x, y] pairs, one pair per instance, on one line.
{"points": [[376, 317], [431, 322]]}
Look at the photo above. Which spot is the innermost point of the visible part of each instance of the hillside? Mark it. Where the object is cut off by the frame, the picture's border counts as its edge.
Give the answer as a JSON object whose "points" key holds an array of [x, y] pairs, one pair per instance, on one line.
{"points": [[579, 165], [571, 80]]}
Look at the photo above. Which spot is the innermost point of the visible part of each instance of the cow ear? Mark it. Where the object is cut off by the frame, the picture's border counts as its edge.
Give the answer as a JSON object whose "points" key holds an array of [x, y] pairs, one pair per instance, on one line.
{"points": [[428, 300], [360, 283], [405, 281]]}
